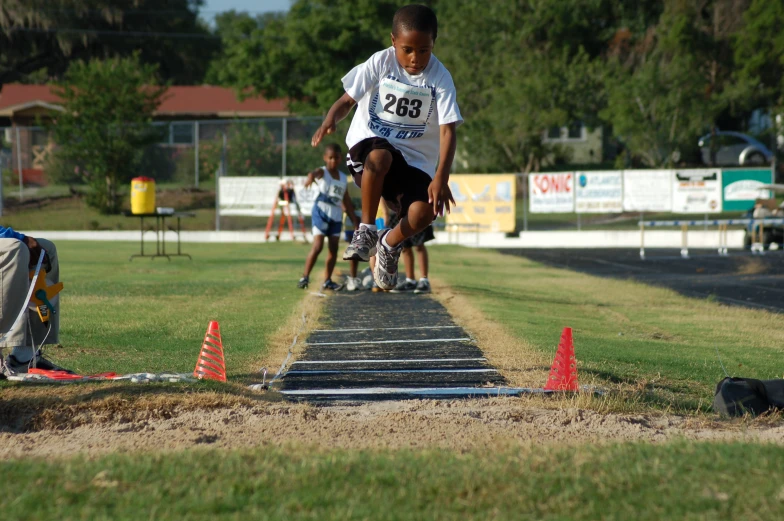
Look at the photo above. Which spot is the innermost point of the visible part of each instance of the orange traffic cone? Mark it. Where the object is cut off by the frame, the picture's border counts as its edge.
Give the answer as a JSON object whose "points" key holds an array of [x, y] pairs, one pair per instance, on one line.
{"points": [[211, 365], [563, 373]]}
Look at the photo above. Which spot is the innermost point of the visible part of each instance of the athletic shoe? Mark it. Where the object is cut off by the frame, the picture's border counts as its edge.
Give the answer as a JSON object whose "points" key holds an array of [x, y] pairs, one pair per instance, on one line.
{"points": [[353, 283], [385, 269], [363, 245], [40, 363], [333, 286], [406, 285], [423, 286], [303, 283]]}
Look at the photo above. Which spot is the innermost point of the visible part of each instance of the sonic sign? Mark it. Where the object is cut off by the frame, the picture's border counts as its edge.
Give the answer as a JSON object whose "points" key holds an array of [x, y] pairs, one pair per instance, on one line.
{"points": [[551, 193]]}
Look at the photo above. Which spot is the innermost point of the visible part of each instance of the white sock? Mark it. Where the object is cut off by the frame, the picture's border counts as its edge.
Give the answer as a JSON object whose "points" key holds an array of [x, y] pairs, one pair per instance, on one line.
{"points": [[423, 279], [371, 227], [410, 280], [386, 245]]}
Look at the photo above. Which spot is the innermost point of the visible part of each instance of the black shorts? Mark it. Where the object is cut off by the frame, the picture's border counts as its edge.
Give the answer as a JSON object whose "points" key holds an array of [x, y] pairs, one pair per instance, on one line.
{"points": [[402, 183], [418, 239]]}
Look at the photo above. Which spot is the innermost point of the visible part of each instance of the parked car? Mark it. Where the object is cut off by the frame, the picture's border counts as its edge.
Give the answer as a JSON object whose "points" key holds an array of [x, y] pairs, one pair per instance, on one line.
{"points": [[735, 148]]}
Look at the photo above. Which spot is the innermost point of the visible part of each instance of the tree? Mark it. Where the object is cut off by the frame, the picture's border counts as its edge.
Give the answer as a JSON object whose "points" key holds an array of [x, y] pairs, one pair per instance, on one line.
{"points": [[667, 86], [301, 55], [39, 38], [531, 69], [105, 123]]}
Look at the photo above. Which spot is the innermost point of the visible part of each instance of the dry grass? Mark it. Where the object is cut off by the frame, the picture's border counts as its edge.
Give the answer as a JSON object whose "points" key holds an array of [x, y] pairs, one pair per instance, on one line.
{"points": [[299, 324], [516, 359]]}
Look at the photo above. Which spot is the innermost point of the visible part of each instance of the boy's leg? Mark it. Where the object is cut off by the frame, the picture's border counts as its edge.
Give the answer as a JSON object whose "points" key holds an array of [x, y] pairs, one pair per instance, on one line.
{"points": [[423, 286], [310, 261], [352, 268], [332, 256], [375, 169], [419, 216], [408, 261], [424, 261]]}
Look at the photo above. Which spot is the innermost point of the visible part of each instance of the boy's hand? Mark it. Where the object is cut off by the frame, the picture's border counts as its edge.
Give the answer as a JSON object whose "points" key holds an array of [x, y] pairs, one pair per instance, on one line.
{"points": [[328, 127], [439, 195]]}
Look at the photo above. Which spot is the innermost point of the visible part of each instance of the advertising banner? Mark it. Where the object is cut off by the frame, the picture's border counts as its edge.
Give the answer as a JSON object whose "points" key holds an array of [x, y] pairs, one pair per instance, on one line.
{"points": [[741, 187], [488, 200], [647, 190], [598, 192], [696, 191], [551, 193]]}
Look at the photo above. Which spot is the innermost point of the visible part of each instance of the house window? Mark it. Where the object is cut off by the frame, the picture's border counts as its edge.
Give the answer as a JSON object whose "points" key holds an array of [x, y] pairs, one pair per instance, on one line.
{"points": [[181, 133], [574, 132]]}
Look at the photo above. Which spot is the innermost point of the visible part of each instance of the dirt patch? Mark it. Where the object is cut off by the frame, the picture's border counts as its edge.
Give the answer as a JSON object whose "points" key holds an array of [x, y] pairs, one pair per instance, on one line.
{"points": [[455, 425]]}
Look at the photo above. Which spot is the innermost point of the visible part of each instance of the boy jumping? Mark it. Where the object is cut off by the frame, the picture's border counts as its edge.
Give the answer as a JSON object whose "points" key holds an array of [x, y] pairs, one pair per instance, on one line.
{"points": [[403, 127]]}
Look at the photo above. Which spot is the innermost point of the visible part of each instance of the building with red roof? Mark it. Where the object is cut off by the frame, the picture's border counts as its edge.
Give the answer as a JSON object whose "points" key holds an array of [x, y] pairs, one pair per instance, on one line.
{"points": [[22, 104]]}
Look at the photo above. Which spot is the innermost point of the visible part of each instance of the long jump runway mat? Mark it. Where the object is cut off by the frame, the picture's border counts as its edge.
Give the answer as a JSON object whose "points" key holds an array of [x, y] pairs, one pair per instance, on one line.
{"points": [[389, 346]]}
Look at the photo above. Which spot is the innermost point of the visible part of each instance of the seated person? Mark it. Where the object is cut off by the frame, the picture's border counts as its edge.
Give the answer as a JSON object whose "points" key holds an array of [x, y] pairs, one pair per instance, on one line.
{"points": [[18, 256]]}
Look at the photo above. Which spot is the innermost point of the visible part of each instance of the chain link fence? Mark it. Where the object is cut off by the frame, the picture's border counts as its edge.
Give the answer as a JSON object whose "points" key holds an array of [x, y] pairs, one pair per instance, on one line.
{"points": [[187, 154]]}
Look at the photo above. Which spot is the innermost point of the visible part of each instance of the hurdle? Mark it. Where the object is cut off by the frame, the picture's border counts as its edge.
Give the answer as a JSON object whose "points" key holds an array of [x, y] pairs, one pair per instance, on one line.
{"points": [[722, 225]]}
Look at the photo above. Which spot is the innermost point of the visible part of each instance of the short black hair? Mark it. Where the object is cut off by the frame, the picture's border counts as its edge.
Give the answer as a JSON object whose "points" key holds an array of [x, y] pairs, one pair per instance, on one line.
{"points": [[334, 147], [415, 17]]}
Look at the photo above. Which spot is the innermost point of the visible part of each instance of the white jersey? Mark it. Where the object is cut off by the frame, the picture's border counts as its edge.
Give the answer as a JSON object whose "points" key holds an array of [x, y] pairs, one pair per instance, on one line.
{"points": [[331, 192], [405, 110]]}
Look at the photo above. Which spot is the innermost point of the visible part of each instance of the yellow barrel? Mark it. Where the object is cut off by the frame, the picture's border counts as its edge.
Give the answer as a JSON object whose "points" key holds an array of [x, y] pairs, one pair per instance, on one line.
{"points": [[142, 195]]}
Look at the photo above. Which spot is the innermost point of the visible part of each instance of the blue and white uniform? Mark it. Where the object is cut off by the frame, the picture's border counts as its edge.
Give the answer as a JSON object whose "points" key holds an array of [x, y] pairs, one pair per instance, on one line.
{"points": [[327, 212]]}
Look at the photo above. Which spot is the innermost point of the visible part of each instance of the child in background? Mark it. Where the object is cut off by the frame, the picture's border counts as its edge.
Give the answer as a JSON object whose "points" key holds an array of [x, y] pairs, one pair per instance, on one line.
{"points": [[327, 215], [402, 138]]}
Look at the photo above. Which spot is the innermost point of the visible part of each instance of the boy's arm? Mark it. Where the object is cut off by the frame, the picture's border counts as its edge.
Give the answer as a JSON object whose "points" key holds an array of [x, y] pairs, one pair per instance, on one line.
{"points": [[336, 114], [438, 192], [312, 176], [348, 207]]}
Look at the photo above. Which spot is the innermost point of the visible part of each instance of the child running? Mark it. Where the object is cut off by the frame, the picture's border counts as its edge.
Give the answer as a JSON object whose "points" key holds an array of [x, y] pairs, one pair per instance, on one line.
{"points": [[405, 124], [327, 215]]}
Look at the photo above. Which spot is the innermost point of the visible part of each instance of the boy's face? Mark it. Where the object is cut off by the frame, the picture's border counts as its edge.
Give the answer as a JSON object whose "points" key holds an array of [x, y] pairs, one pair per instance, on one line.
{"points": [[413, 50], [331, 159]]}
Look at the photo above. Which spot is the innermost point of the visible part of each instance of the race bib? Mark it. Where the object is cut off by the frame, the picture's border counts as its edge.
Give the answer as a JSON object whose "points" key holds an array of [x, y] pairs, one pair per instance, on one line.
{"points": [[402, 106], [335, 193]]}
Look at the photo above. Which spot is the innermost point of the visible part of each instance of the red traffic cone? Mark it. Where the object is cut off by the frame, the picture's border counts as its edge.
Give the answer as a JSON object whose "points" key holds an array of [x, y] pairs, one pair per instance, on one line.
{"points": [[211, 365], [563, 373]]}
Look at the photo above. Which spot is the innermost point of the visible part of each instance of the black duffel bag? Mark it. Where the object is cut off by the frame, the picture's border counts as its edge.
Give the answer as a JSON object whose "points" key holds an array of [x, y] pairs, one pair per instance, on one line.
{"points": [[737, 396]]}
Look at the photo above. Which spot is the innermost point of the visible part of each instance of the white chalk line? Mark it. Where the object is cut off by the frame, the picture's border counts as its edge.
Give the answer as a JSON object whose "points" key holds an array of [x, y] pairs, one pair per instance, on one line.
{"points": [[382, 329], [419, 391], [387, 361], [376, 371], [402, 341]]}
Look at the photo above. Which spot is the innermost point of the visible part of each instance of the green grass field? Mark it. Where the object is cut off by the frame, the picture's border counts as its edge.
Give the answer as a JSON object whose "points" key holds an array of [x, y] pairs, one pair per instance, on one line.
{"points": [[625, 332], [151, 316], [678, 481]]}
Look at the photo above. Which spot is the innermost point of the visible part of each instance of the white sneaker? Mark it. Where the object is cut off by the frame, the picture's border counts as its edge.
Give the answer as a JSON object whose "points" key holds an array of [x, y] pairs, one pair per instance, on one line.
{"points": [[385, 268], [353, 283]]}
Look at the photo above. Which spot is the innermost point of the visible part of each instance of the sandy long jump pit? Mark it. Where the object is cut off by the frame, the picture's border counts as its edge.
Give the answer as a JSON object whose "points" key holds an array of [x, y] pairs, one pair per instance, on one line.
{"points": [[441, 345]]}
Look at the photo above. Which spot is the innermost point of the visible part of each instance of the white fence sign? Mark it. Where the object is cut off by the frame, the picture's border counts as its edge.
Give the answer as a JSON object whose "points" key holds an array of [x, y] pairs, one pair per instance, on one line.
{"points": [[254, 196], [696, 191], [598, 192], [551, 193], [647, 190]]}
